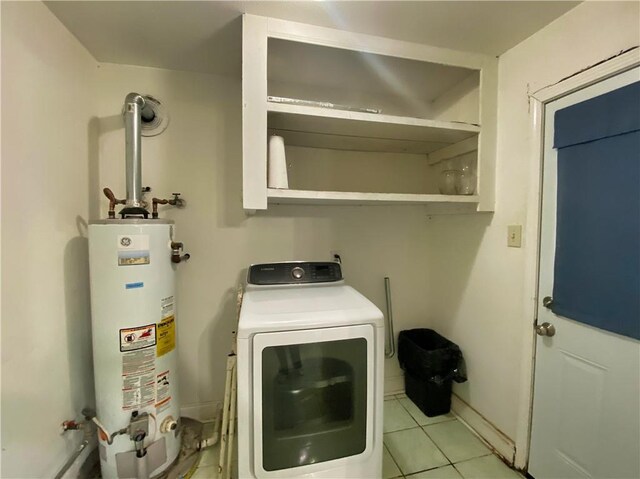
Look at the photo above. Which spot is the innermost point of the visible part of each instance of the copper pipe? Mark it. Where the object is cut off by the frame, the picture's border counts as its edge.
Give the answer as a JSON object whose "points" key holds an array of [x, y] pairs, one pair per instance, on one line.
{"points": [[113, 201], [155, 202], [175, 201], [175, 253]]}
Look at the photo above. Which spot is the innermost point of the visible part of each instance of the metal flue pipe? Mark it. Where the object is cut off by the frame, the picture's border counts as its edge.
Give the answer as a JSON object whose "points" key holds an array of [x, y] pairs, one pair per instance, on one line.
{"points": [[133, 105]]}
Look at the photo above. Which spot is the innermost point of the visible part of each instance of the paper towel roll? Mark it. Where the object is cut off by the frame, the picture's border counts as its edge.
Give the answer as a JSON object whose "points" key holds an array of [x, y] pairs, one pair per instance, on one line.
{"points": [[277, 167]]}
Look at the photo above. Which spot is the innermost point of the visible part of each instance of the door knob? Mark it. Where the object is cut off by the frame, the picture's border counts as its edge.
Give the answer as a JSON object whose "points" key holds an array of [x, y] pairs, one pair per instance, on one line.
{"points": [[545, 329], [547, 302]]}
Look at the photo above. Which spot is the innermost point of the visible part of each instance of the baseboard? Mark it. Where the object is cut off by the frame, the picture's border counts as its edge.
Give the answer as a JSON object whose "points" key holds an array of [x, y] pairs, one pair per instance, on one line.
{"points": [[496, 439], [393, 385], [203, 411]]}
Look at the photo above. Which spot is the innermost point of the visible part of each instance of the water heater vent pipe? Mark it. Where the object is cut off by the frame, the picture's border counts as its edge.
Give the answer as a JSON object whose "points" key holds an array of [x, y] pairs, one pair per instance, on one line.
{"points": [[134, 103]]}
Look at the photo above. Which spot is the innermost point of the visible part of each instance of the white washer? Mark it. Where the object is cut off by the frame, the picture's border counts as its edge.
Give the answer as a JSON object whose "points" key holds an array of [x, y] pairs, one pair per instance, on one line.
{"points": [[310, 375]]}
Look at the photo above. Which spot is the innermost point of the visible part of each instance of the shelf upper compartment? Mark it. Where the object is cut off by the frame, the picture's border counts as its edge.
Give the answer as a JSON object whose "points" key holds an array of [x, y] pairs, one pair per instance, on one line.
{"points": [[318, 127], [408, 82], [344, 198]]}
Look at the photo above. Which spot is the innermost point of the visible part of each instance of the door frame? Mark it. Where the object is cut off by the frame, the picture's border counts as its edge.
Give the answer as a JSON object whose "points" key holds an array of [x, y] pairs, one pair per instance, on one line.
{"points": [[537, 106]]}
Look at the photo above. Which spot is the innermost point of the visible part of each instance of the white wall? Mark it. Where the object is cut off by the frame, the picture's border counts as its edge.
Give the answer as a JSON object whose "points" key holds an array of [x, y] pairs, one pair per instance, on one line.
{"points": [[479, 300], [199, 155], [47, 99], [335, 170], [64, 142]]}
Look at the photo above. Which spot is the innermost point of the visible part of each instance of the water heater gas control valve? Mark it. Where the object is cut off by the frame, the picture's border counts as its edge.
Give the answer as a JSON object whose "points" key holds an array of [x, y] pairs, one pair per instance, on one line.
{"points": [[138, 425]]}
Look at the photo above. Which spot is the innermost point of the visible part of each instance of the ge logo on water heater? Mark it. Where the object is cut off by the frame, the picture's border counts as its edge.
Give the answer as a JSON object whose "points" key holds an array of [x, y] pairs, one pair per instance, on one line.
{"points": [[125, 241]]}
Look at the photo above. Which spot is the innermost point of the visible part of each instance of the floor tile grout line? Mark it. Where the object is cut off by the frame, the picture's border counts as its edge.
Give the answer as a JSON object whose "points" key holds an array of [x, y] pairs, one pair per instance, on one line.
{"points": [[445, 420], [403, 429], [472, 458], [409, 413], [424, 429], [490, 451], [456, 469], [412, 418], [428, 469], [476, 434], [455, 418], [492, 454], [393, 459]]}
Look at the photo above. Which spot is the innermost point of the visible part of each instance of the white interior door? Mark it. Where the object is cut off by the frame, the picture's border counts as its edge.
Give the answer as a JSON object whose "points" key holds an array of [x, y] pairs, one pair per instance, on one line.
{"points": [[586, 410]]}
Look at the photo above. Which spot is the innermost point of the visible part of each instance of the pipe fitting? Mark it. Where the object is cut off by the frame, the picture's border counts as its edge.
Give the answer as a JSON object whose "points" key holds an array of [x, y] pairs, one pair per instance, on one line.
{"points": [[136, 98], [154, 208], [113, 201], [175, 253], [71, 425], [175, 201]]}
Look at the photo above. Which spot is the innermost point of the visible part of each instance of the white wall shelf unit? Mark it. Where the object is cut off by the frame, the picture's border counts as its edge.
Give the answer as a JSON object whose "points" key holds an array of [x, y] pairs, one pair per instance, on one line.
{"points": [[435, 105], [277, 196], [347, 130]]}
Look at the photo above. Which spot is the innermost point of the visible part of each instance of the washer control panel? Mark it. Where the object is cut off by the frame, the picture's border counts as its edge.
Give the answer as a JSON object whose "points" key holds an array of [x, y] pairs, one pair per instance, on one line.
{"points": [[294, 272]]}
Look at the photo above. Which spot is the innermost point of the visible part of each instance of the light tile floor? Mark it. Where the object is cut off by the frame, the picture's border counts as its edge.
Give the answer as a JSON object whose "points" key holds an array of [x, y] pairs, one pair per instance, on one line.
{"points": [[416, 447], [421, 447]]}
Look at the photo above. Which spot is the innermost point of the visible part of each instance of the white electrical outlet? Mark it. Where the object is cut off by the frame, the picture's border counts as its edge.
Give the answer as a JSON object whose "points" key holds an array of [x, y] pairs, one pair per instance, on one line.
{"points": [[514, 236]]}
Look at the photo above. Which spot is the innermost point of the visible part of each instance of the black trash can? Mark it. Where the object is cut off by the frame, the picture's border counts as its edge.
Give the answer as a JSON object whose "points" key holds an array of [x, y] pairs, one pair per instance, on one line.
{"points": [[430, 363]]}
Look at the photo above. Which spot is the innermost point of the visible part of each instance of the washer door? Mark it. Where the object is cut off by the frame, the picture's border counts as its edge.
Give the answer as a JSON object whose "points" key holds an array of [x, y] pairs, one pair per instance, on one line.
{"points": [[313, 399]]}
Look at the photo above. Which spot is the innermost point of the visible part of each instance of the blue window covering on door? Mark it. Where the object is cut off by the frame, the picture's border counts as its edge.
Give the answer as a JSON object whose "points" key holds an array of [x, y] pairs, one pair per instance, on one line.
{"points": [[606, 115], [597, 261]]}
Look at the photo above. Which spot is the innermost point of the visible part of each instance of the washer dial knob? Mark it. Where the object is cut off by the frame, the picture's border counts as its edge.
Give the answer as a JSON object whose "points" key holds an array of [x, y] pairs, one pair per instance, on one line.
{"points": [[297, 273]]}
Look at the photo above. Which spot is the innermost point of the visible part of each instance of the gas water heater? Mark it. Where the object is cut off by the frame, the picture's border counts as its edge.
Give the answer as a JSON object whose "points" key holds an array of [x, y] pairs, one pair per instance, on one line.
{"points": [[133, 262]]}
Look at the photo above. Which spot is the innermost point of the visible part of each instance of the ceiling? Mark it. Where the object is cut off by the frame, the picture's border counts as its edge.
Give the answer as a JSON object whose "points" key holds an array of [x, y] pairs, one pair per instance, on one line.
{"points": [[205, 36]]}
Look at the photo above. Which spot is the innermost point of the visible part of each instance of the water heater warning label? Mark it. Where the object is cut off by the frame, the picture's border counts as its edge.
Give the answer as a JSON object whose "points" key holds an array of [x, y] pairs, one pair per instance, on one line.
{"points": [[138, 378], [132, 339], [163, 392], [166, 335], [167, 307]]}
